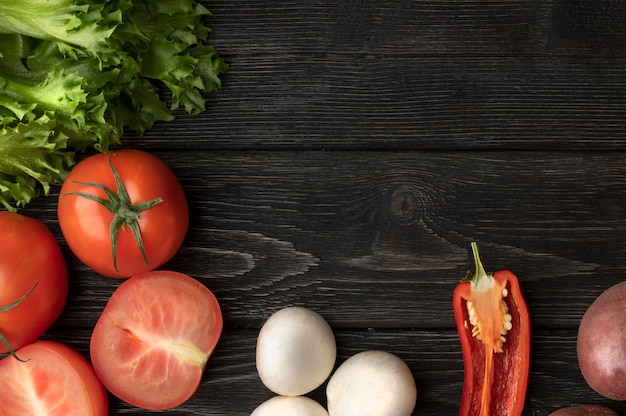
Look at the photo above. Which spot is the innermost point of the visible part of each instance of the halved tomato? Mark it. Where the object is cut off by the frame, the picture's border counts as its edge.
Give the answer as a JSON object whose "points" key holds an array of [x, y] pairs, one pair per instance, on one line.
{"points": [[53, 380], [152, 341]]}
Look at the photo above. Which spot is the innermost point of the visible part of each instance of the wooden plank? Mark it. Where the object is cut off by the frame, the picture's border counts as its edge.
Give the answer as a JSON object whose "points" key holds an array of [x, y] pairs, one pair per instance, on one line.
{"points": [[355, 151], [422, 74], [380, 239]]}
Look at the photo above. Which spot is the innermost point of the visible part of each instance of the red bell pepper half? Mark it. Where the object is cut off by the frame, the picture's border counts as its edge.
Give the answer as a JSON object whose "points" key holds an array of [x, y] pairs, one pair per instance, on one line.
{"points": [[493, 323]]}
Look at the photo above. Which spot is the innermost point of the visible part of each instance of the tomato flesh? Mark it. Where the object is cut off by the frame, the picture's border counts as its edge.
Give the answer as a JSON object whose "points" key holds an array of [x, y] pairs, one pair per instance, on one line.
{"points": [[29, 254], [152, 341], [55, 380]]}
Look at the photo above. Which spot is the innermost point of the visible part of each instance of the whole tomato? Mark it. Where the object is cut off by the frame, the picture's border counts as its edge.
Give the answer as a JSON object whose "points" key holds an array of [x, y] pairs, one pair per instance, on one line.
{"points": [[123, 213], [33, 280]]}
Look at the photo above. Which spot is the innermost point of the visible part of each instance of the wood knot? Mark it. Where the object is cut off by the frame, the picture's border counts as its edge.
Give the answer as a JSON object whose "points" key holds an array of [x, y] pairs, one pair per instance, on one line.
{"points": [[405, 204]]}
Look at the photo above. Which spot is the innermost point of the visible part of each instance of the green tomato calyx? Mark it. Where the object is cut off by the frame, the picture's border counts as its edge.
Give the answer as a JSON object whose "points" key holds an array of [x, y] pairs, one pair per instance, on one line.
{"points": [[124, 212]]}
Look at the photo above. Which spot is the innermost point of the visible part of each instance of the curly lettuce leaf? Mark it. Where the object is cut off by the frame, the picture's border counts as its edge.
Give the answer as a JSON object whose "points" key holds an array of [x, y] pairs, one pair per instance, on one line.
{"points": [[33, 158], [71, 91], [176, 53], [59, 92], [83, 26]]}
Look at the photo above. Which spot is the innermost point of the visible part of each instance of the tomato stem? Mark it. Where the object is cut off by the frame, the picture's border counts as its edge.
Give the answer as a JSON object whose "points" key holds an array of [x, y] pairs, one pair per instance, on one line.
{"points": [[128, 214], [20, 300], [10, 306]]}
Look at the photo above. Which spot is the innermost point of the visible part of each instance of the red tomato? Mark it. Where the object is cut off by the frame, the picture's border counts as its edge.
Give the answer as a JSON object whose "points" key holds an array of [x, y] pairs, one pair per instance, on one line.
{"points": [[55, 380], [87, 223], [153, 339], [29, 254]]}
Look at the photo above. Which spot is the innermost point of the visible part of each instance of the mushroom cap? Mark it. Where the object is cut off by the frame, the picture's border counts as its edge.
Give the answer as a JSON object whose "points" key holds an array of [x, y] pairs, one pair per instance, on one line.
{"points": [[290, 406], [295, 351], [372, 383]]}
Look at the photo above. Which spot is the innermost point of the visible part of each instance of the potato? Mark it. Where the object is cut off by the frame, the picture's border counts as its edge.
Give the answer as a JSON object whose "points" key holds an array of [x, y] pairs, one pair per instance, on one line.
{"points": [[601, 343], [584, 410]]}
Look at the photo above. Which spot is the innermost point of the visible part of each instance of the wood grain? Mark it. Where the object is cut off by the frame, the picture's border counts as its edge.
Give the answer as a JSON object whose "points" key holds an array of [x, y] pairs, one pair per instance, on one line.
{"points": [[358, 147], [376, 241], [276, 228], [416, 74]]}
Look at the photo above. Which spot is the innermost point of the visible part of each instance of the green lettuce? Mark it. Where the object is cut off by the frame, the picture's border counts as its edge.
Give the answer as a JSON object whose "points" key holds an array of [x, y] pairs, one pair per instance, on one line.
{"points": [[76, 74]]}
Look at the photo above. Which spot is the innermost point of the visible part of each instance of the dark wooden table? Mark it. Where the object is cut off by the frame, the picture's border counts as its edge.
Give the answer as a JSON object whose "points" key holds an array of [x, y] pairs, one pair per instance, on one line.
{"points": [[358, 147]]}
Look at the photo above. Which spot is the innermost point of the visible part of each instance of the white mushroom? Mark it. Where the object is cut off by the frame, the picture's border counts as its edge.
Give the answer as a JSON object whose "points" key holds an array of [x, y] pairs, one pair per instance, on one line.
{"points": [[295, 351], [372, 383], [290, 406]]}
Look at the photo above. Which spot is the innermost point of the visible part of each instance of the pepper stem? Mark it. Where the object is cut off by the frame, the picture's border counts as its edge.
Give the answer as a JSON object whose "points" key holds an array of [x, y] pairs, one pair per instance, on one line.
{"points": [[480, 273]]}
